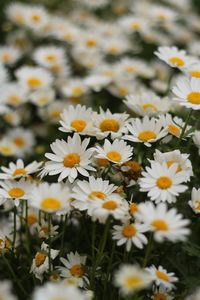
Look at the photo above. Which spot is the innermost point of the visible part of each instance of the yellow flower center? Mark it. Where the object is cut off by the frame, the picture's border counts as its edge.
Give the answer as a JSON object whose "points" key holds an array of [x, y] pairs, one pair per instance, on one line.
{"points": [[160, 225], [133, 207], [71, 160], [197, 205], [163, 276], [39, 259], [56, 68], [102, 162], [149, 105], [19, 142], [34, 82], [51, 58], [6, 57], [109, 125], [195, 74], [133, 165], [133, 282], [6, 150], [79, 125], [14, 99], [16, 192], [113, 50], [43, 100], [164, 182], [77, 91], [97, 194], [194, 97], [177, 61], [114, 155], [50, 204], [1, 244], [55, 114], [35, 18], [91, 43], [146, 135], [123, 91], [130, 69], [19, 171], [129, 231], [173, 129], [110, 205], [171, 162], [31, 219], [159, 296], [77, 271], [135, 26]]}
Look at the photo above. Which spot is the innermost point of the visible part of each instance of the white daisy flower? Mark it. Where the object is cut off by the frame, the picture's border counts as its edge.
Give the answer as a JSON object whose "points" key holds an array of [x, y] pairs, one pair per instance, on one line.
{"points": [[7, 147], [106, 123], [74, 88], [174, 125], [131, 278], [132, 23], [22, 139], [193, 70], [13, 94], [86, 191], [16, 13], [51, 198], [160, 292], [34, 77], [5, 290], [162, 182], [114, 206], [42, 97], [40, 263], [147, 103], [77, 118], [162, 277], [94, 4], [130, 234], [9, 55], [53, 111], [174, 57], [145, 131], [69, 158], [196, 139], [115, 46], [49, 56], [117, 152], [43, 232], [36, 18], [187, 92], [52, 291], [97, 82], [175, 157], [166, 224], [15, 190], [74, 268], [195, 200], [160, 13], [18, 169]]}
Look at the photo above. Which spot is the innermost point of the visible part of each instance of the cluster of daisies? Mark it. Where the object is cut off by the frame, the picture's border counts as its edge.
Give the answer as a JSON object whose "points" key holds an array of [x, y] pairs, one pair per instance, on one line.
{"points": [[99, 148]]}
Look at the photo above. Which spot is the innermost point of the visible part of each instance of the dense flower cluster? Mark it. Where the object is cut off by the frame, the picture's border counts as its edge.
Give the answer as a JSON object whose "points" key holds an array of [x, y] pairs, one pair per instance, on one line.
{"points": [[99, 147]]}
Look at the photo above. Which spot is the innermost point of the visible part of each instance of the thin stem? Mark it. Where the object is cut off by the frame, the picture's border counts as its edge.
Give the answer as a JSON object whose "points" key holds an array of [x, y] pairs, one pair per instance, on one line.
{"points": [[184, 128], [14, 227], [148, 251], [15, 278], [109, 269], [49, 231], [63, 236]]}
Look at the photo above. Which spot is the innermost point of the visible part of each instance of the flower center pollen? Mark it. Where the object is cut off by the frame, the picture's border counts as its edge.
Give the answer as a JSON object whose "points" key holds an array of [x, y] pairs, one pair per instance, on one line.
{"points": [[16, 193], [50, 204], [194, 98], [114, 155], [177, 61], [78, 124], [146, 135], [71, 160], [109, 125], [129, 231]]}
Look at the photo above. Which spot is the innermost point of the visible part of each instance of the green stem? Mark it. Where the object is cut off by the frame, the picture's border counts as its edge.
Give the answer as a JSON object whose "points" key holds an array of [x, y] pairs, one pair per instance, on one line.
{"points": [[49, 231], [14, 228], [102, 247], [109, 269], [148, 251], [184, 128], [15, 278], [63, 236]]}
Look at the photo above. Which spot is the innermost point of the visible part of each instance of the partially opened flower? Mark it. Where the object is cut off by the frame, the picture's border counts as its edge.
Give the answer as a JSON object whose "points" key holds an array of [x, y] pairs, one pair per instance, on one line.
{"points": [[162, 277], [195, 200]]}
